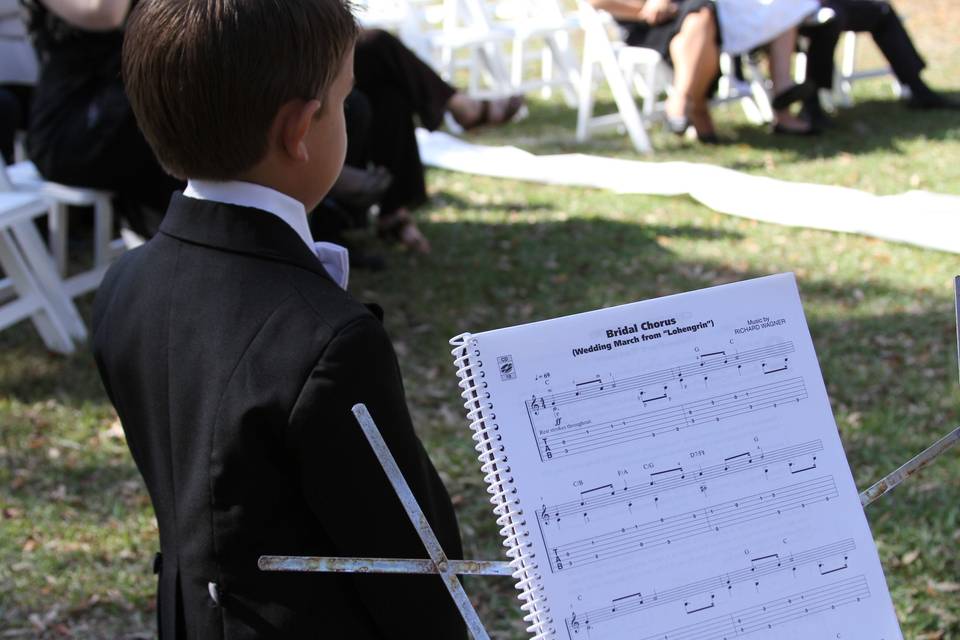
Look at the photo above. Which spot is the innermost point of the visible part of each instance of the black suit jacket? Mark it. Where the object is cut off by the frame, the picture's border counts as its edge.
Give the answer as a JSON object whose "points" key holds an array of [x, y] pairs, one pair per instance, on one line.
{"points": [[233, 361]]}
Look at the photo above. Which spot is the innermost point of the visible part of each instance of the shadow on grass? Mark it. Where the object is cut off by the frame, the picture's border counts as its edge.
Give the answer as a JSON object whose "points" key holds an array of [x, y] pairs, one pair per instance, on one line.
{"points": [[866, 127]]}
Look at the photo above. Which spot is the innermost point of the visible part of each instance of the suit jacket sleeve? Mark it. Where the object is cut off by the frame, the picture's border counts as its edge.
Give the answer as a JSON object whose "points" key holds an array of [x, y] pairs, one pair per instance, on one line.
{"points": [[349, 492]]}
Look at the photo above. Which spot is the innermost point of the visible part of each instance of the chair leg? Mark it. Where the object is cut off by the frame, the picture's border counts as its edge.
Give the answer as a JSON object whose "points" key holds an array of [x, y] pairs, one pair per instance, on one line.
{"points": [[46, 275], [562, 60], [585, 106], [102, 231], [626, 105], [848, 65], [44, 316], [759, 91], [58, 231], [516, 63]]}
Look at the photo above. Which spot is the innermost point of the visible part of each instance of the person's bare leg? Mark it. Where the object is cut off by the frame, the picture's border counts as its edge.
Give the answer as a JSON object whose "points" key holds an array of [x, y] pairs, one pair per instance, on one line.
{"points": [[779, 57], [780, 54], [695, 61]]}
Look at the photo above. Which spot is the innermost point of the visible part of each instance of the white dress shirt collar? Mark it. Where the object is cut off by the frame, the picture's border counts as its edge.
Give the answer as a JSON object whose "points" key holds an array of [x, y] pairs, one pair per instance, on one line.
{"points": [[335, 258]]}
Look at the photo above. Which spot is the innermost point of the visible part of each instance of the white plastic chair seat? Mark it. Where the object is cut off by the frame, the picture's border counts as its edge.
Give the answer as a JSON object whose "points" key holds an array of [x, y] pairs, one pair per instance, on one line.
{"points": [[25, 177], [31, 276]]}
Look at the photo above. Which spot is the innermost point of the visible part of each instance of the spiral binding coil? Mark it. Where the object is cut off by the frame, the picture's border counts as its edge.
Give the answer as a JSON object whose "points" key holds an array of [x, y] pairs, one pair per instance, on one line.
{"points": [[496, 470]]}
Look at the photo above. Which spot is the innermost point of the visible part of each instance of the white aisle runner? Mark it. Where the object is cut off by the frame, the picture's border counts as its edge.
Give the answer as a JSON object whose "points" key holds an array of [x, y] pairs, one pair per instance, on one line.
{"points": [[916, 217]]}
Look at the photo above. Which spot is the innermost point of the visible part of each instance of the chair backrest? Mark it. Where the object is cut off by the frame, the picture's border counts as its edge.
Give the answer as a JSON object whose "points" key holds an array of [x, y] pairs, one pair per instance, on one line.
{"points": [[593, 21]]}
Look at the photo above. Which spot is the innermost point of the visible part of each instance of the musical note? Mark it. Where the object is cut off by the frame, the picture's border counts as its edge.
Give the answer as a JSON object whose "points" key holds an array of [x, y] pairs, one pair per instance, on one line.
{"points": [[666, 530], [634, 603], [627, 496], [594, 388], [773, 613], [588, 436]]}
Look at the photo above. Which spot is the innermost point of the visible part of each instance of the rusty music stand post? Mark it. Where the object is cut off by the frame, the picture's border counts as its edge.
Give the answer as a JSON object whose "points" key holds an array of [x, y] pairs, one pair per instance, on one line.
{"points": [[448, 570]]}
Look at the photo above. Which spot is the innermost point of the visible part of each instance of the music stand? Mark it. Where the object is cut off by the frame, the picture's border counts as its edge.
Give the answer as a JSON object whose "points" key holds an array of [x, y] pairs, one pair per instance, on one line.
{"points": [[449, 570]]}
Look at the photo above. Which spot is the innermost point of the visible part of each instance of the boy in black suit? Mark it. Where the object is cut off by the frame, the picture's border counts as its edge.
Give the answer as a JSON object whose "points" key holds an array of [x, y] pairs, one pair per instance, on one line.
{"points": [[233, 354]]}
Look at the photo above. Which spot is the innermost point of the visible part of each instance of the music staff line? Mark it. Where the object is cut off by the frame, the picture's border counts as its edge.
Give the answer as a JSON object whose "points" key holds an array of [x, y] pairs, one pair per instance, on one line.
{"points": [[718, 362], [670, 529], [607, 496], [627, 605], [774, 613], [590, 437]]}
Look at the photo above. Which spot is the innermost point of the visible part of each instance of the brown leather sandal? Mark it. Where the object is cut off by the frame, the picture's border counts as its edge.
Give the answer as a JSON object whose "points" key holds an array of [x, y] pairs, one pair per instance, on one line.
{"points": [[485, 118], [399, 226]]}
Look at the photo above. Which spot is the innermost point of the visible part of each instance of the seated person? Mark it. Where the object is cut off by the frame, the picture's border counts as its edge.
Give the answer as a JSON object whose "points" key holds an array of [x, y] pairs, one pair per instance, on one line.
{"points": [[772, 25], [18, 74], [685, 34], [879, 19], [233, 354], [393, 86], [82, 130], [785, 91]]}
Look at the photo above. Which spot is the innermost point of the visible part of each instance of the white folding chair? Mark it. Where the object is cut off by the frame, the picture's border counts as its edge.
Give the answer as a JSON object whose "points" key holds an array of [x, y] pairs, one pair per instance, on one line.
{"points": [[846, 74], [453, 35], [620, 66], [32, 288], [629, 69], [106, 248], [752, 92], [541, 37]]}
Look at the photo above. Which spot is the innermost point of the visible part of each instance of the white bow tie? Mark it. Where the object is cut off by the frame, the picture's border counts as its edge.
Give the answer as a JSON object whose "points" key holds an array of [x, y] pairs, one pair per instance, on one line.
{"points": [[336, 260]]}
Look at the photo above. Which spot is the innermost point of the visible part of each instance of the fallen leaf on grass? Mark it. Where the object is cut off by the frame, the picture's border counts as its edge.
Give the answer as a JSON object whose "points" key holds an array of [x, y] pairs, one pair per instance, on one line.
{"points": [[910, 557], [945, 587]]}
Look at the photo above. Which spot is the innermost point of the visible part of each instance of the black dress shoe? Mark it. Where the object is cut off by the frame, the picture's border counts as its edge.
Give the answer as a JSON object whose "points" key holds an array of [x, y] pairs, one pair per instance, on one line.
{"points": [[710, 139], [779, 129], [930, 99], [796, 93], [815, 115]]}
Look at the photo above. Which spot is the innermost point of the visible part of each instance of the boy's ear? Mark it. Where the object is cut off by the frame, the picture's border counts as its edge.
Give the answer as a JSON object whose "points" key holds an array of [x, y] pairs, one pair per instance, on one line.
{"points": [[295, 121]]}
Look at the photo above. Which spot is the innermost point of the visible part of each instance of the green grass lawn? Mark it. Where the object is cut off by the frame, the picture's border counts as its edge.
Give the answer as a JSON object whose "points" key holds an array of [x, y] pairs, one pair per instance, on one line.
{"points": [[77, 532]]}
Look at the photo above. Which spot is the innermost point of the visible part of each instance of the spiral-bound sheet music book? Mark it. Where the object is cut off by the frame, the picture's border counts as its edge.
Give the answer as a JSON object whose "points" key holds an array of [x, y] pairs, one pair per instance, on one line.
{"points": [[671, 470]]}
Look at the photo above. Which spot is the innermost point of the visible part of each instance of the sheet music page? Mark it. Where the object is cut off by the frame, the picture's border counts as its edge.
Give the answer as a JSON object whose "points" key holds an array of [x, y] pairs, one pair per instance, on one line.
{"points": [[681, 474]]}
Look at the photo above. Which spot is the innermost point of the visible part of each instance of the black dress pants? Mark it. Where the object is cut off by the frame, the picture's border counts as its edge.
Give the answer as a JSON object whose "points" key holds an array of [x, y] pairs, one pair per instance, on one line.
{"points": [[397, 86], [883, 23], [14, 109]]}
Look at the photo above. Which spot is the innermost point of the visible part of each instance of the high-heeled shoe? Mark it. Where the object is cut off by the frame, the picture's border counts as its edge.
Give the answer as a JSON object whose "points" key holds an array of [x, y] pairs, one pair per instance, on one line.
{"points": [[796, 93]]}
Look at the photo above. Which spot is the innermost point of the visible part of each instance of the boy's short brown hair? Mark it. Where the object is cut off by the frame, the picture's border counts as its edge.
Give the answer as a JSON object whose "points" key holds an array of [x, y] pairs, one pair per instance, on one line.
{"points": [[206, 78]]}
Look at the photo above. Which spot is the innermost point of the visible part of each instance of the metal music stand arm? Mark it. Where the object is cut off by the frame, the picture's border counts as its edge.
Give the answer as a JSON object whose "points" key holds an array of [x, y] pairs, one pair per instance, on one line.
{"points": [[438, 562], [931, 453]]}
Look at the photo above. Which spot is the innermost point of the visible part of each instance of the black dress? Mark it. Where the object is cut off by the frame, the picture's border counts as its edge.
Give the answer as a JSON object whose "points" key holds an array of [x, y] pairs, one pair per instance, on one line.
{"points": [[82, 129], [397, 86], [659, 36]]}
